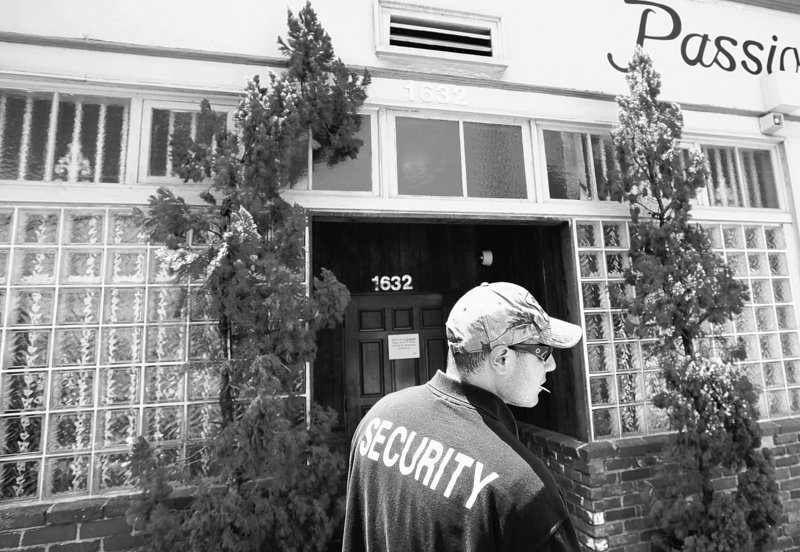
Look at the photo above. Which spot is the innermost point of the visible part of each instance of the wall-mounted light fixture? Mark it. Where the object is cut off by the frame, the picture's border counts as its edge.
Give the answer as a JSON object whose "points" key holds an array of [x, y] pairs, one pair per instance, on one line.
{"points": [[487, 257], [770, 123]]}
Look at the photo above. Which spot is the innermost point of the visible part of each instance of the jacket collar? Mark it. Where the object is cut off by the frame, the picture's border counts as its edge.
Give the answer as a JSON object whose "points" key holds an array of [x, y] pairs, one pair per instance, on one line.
{"points": [[482, 400]]}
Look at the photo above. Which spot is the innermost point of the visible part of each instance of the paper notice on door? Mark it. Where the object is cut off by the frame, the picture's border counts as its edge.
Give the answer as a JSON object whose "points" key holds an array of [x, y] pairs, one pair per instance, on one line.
{"points": [[403, 346]]}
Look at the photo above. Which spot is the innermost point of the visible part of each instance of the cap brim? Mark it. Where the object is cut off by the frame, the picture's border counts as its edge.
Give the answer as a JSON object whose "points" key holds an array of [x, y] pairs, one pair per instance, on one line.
{"points": [[561, 335]]}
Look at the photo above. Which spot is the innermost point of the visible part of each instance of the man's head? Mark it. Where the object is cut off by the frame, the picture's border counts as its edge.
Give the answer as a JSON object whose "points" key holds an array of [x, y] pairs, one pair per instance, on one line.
{"points": [[501, 339]]}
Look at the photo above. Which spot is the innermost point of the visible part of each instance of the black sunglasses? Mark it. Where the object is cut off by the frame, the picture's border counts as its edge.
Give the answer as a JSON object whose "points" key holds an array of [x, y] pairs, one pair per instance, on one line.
{"points": [[542, 352]]}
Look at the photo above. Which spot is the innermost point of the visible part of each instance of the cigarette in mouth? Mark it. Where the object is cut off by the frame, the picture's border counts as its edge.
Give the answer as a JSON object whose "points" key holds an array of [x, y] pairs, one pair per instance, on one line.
{"points": [[544, 389]]}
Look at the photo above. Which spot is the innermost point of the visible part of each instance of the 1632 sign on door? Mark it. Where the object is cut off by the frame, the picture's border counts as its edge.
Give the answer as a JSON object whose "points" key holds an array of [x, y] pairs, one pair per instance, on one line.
{"points": [[393, 283]]}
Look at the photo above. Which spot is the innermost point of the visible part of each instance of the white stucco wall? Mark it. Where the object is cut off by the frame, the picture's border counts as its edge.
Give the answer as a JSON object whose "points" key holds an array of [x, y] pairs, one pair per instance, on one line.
{"points": [[560, 44]]}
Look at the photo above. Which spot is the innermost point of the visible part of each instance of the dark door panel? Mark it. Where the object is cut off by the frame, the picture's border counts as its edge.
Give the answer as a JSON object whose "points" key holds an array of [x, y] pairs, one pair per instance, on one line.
{"points": [[370, 373]]}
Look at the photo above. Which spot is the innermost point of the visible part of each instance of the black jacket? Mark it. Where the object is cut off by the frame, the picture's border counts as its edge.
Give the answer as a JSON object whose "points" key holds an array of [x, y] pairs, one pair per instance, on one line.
{"points": [[439, 467]]}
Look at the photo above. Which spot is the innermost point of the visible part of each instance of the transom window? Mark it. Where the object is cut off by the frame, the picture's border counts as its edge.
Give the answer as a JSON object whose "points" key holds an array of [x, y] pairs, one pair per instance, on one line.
{"points": [[459, 158], [164, 123], [582, 165], [740, 177], [349, 175], [162, 120], [50, 136]]}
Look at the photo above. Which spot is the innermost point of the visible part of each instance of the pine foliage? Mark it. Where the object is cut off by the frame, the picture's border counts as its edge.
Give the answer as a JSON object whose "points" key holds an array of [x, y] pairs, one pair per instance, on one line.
{"points": [[267, 480], [683, 292]]}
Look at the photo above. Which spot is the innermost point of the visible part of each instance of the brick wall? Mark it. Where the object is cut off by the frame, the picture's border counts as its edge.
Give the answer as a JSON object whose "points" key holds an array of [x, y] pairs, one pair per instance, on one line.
{"points": [[86, 525], [605, 483]]}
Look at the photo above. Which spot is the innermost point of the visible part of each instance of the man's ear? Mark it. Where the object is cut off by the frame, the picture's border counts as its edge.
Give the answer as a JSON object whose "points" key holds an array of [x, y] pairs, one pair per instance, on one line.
{"points": [[500, 360]]}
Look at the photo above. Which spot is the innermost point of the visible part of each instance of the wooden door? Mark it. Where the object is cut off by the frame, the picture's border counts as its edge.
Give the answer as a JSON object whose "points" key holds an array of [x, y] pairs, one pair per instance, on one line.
{"points": [[378, 329]]}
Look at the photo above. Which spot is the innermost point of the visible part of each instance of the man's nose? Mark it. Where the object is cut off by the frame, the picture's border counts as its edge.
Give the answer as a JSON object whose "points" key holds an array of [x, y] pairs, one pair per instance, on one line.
{"points": [[550, 365]]}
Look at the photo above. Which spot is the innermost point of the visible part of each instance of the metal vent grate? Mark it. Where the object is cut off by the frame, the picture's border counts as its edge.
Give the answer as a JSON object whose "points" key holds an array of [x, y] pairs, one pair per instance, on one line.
{"points": [[440, 37]]}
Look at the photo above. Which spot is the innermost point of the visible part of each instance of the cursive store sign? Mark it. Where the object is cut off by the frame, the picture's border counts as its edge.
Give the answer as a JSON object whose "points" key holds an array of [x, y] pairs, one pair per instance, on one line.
{"points": [[714, 51]]}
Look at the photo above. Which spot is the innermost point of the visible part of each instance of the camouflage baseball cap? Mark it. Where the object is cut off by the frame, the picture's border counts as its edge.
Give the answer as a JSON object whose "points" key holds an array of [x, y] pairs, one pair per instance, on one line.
{"points": [[502, 313]]}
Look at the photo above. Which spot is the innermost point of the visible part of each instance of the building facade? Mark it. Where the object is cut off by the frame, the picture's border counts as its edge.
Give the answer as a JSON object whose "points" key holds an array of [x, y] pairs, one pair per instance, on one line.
{"points": [[487, 157]]}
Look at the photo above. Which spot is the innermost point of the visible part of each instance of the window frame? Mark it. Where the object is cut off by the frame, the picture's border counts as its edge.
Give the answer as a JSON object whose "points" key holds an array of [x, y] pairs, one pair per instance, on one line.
{"points": [[54, 93], [606, 310], [126, 192], [771, 146], [185, 105], [704, 209], [584, 129], [306, 184], [392, 189]]}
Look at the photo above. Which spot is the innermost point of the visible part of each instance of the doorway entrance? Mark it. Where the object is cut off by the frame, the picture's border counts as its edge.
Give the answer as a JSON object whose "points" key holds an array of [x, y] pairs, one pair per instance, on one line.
{"points": [[401, 272], [392, 341]]}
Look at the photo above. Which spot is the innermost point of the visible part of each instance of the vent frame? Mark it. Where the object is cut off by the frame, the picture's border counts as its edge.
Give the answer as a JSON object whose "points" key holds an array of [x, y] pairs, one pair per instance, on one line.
{"points": [[425, 38]]}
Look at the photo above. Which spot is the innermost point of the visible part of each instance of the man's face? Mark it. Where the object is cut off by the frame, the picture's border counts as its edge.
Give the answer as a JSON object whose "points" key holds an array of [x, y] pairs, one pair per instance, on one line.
{"points": [[525, 380]]}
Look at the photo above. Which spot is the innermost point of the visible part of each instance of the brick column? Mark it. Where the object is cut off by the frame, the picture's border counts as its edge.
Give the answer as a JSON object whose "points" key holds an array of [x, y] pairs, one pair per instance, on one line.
{"points": [[605, 483]]}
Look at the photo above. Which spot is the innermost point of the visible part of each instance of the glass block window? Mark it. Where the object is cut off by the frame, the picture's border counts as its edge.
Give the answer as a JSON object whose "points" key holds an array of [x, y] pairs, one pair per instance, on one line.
{"points": [[622, 374], [768, 324], [621, 370], [740, 177], [163, 124], [62, 137], [96, 344], [459, 158]]}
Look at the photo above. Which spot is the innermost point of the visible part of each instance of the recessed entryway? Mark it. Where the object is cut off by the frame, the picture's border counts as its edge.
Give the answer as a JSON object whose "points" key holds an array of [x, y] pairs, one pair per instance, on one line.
{"points": [[397, 271]]}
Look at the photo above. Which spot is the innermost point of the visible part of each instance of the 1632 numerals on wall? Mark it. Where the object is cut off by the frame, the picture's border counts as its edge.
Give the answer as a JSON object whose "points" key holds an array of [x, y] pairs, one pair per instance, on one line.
{"points": [[435, 93], [393, 283]]}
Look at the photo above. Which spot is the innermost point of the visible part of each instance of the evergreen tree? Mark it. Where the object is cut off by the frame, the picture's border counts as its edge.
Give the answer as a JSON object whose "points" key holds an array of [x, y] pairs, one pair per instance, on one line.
{"points": [[267, 480], [683, 292]]}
